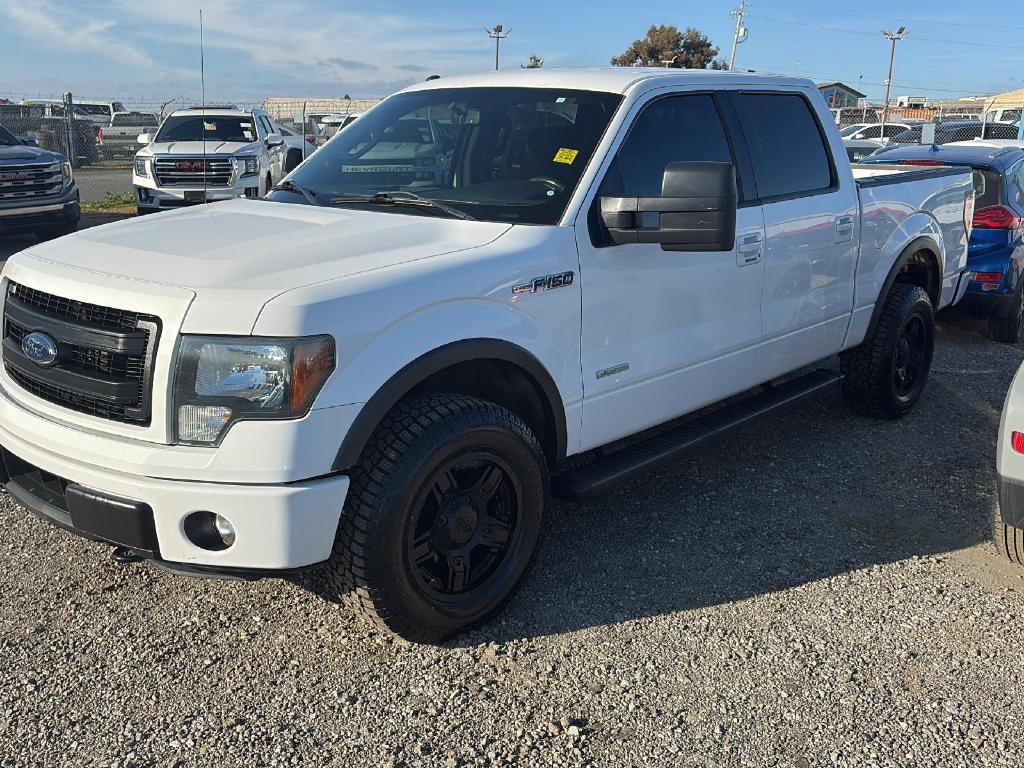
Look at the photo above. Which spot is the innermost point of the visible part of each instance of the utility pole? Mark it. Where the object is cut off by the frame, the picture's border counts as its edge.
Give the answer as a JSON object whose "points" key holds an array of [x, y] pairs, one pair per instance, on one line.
{"points": [[497, 34], [893, 37], [741, 31]]}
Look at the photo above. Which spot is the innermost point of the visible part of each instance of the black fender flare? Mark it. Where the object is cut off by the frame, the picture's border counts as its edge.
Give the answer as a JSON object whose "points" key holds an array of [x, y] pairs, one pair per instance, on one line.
{"points": [[917, 244], [425, 366]]}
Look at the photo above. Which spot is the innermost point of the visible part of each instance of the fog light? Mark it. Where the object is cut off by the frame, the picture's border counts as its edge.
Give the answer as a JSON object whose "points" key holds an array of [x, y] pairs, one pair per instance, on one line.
{"points": [[225, 530], [209, 531]]}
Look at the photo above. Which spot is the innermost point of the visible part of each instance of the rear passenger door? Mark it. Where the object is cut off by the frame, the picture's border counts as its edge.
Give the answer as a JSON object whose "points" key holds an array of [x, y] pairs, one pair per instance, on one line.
{"points": [[666, 332], [811, 218]]}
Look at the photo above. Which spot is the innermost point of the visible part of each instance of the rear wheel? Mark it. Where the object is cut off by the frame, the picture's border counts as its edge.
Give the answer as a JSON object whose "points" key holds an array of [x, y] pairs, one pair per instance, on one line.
{"points": [[442, 517], [1008, 539], [1006, 325], [886, 374]]}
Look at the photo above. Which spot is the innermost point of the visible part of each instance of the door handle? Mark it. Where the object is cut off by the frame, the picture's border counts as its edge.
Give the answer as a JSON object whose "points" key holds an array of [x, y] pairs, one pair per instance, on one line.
{"points": [[748, 249], [844, 228]]}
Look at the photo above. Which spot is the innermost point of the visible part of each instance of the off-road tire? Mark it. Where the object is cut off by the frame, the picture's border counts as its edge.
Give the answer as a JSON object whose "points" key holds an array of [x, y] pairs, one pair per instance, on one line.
{"points": [[1006, 326], [869, 369], [1008, 539], [370, 568]]}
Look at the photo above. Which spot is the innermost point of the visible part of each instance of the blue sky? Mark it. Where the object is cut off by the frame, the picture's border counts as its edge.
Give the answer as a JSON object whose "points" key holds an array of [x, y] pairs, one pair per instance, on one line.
{"points": [[148, 50]]}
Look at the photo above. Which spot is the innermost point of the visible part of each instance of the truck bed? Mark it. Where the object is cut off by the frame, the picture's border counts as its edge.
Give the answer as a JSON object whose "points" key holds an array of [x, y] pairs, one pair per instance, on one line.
{"points": [[882, 174]]}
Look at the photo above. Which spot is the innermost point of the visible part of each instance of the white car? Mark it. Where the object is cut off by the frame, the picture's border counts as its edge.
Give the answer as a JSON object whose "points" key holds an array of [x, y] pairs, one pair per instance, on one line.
{"points": [[206, 154], [377, 369], [1008, 516], [331, 124], [874, 131]]}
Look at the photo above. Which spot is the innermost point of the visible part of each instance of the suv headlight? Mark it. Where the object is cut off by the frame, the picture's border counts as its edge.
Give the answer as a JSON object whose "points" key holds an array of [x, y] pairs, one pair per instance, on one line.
{"points": [[65, 169], [141, 167], [250, 166], [220, 380]]}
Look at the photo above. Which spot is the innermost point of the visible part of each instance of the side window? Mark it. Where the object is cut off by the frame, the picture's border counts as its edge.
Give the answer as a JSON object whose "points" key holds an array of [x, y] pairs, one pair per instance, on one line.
{"points": [[672, 129], [1015, 183], [792, 148], [893, 130], [873, 132]]}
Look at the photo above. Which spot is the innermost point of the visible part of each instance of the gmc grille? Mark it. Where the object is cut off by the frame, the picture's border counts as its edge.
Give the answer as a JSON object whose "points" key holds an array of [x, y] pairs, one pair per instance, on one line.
{"points": [[21, 183], [188, 171], [104, 359]]}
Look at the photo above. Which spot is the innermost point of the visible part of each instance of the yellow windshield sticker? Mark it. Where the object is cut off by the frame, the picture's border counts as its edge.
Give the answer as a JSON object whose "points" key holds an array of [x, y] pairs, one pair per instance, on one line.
{"points": [[566, 155]]}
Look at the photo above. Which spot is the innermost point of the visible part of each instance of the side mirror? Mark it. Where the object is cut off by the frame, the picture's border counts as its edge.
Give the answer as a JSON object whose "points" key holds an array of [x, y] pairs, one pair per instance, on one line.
{"points": [[695, 212], [29, 141], [275, 140], [144, 138]]}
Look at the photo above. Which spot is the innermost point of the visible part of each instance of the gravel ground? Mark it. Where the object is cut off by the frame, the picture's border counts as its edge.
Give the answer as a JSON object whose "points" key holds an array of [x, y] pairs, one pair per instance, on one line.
{"points": [[817, 591]]}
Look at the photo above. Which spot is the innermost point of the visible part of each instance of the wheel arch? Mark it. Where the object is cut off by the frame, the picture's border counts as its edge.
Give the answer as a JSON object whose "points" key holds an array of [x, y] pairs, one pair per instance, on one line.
{"points": [[491, 369], [918, 264]]}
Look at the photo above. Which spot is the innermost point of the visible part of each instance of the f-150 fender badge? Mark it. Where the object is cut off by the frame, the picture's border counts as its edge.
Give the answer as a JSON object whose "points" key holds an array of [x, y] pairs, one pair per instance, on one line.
{"points": [[546, 283]]}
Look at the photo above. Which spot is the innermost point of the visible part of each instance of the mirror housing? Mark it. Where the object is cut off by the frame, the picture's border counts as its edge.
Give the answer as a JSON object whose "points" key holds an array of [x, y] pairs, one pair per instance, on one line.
{"points": [[695, 212], [29, 141], [275, 140], [144, 138]]}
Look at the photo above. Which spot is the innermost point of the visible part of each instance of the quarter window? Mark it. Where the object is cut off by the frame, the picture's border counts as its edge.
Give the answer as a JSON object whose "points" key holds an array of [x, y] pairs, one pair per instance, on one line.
{"points": [[673, 129], [792, 148]]}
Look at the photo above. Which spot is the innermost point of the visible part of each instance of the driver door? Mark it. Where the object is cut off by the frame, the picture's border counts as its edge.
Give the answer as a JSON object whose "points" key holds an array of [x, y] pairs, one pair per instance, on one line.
{"points": [[667, 332]]}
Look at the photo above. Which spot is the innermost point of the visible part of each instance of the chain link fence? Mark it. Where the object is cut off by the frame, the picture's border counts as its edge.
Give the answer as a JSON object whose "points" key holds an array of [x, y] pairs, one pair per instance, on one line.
{"points": [[868, 128]]}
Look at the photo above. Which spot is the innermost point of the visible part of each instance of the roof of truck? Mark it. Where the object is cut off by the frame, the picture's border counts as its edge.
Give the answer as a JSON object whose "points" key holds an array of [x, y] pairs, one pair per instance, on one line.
{"points": [[609, 79]]}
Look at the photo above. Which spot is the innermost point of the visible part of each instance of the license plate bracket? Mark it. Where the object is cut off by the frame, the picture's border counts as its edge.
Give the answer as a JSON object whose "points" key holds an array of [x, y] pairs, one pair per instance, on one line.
{"points": [[195, 196]]}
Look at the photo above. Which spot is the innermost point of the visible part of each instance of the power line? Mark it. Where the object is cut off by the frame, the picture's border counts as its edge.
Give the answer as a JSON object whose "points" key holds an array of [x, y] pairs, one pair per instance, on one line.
{"points": [[914, 20], [847, 30]]}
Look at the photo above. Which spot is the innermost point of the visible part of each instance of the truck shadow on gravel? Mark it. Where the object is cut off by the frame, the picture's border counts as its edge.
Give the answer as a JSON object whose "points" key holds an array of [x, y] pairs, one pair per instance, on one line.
{"points": [[804, 496]]}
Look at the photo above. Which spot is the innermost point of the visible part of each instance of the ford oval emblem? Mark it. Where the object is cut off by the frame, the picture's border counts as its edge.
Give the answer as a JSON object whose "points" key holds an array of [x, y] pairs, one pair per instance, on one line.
{"points": [[39, 348]]}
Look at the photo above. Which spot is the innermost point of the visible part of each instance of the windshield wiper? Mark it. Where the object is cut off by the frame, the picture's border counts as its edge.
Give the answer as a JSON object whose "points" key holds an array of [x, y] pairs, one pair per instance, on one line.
{"points": [[403, 198], [290, 186]]}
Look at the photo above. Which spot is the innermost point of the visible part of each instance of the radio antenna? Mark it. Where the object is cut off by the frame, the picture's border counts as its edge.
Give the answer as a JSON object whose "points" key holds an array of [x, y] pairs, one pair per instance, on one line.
{"points": [[202, 84]]}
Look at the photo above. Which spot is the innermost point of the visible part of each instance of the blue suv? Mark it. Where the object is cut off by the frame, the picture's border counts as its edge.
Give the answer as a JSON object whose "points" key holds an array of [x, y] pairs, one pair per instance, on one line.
{"points": [[37, 189], [995, 257]]}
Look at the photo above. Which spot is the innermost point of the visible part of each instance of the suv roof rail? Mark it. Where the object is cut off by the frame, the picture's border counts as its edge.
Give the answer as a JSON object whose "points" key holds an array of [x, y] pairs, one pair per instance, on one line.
{"points": [[214, 106]]}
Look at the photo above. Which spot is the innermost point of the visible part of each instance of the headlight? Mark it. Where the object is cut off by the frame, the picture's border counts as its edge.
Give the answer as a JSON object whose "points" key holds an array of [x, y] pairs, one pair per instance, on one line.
{"points": [[65, 168], [250, 165], [141, 167], [222, 380]]}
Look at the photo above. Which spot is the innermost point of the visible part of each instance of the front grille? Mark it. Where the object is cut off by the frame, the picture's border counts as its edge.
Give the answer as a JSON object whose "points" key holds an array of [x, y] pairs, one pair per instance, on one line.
{"points": [[188, 171], [21, 183], [104, 354]]}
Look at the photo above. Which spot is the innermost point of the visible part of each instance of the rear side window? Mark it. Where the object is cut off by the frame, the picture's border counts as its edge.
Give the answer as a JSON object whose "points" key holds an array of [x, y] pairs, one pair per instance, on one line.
{"points": [[792, 148], [673, 129], [988, 188]]}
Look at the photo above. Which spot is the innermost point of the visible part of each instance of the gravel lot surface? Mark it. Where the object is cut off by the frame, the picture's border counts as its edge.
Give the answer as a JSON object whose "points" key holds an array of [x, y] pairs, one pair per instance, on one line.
{"points": [[817, 591]]}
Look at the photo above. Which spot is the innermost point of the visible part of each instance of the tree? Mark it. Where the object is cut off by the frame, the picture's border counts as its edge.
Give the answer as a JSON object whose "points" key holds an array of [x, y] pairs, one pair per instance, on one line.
{"points": [[665, 45], [535, 62]]}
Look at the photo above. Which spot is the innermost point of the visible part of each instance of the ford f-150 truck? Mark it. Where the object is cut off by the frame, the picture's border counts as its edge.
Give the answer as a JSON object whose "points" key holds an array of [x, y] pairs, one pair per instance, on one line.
{"points": [[378, 368]]}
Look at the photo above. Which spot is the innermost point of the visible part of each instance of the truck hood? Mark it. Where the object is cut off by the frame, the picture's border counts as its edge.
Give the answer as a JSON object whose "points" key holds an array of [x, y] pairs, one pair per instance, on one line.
{"points": [[196, 147], [26, 154], [237, 255]]}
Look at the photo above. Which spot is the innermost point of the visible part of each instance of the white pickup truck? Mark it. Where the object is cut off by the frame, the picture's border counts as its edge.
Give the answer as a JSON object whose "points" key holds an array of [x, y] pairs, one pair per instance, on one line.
{"points": [[378, 369]]}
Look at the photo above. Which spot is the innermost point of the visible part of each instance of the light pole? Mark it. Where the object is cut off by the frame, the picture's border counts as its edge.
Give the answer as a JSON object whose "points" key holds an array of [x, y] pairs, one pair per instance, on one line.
{"points": [[893, 37], [497, 34], [741, 31]]}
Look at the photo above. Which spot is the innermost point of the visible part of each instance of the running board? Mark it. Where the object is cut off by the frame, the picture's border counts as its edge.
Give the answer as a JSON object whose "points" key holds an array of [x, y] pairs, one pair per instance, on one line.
{"points": [[602, 474]]}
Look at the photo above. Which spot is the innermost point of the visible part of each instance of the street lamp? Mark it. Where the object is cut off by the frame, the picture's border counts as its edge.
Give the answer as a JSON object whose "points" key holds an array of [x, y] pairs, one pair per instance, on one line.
{"points": [[498, 34], [893, 37]]}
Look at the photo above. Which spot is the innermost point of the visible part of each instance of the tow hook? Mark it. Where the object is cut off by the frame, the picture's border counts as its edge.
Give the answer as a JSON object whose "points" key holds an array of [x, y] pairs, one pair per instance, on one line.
{"points": [[124, 556]]}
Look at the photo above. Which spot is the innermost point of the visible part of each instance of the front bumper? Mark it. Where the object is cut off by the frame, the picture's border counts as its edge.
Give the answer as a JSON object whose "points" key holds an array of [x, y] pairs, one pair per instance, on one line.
{"points": [[151, 197], [64, 209], [279, 527]]}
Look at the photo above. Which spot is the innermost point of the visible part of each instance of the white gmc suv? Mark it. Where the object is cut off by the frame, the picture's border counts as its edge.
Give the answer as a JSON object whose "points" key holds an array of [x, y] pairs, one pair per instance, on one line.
{"points": [[377, 369], [210, 153]]}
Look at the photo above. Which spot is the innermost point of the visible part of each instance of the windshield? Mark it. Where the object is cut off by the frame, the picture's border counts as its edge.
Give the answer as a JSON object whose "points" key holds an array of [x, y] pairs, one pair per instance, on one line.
{"points": [[6, 139], [209, 127], [133, 120], [498, 154]]}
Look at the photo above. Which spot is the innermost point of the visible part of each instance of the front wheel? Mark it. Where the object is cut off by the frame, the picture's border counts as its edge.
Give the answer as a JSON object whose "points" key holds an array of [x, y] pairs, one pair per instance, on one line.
{"points": [[886, 374], [442, 517]]}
